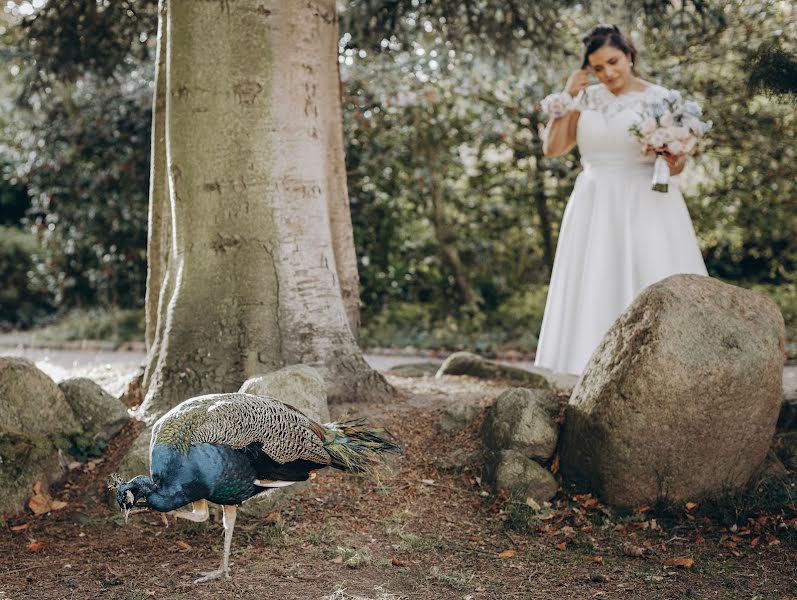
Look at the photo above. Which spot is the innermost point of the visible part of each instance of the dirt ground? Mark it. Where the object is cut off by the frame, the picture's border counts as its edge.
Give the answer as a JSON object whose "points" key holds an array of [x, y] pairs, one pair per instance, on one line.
{"points": [[427, 530]]}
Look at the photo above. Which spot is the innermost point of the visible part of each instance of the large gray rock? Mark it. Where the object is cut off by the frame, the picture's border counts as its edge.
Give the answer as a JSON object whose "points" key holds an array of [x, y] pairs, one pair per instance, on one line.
{"points": [[680, 399], [35, 424], [522, 420], [466, 363], [101, 415], [298, 385], [523, 478]]}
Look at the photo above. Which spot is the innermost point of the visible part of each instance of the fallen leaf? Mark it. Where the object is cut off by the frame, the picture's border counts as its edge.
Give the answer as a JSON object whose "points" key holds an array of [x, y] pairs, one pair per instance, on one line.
{"points": [[22, 527], [507, 554], [57, 505], [596, 559], [589, 502], [630, 549], [567, 531], [561, 546], [37, 488], [684, 562], [39, 504], [427, 481], [184, 546], [642, 509], [35, 547], [273, 517], [555, 464], [691, 505], [397, 562]]}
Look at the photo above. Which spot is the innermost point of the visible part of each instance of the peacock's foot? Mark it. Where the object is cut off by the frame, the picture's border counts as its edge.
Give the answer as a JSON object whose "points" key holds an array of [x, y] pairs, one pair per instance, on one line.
{"points": [[211, 575]]}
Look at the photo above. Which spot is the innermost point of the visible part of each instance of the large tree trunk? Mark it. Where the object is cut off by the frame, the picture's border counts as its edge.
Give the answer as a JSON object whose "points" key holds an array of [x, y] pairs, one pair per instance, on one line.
{"points": [[255, 206]]}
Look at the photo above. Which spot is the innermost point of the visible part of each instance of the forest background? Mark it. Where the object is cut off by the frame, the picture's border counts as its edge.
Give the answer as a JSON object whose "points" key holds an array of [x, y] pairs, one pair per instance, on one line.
{"points": [[454, 207]]}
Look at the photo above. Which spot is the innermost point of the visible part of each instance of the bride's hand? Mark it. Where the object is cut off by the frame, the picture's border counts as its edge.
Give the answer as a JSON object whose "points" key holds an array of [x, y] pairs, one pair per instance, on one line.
{"points": [[676, 162], [576, 82]]}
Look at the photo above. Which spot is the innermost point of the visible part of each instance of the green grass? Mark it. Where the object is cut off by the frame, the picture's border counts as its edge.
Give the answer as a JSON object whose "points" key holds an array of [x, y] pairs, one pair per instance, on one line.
{"points": [[115, 325]]}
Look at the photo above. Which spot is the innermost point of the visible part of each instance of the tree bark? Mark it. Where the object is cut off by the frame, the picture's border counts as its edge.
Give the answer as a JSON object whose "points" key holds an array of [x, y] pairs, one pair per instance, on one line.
{"points": [[255, 183]]}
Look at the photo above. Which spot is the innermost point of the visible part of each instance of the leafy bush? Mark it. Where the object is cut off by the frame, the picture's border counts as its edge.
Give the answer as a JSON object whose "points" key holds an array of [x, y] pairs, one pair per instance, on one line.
{"points": [[113, 325], [24, 300]]}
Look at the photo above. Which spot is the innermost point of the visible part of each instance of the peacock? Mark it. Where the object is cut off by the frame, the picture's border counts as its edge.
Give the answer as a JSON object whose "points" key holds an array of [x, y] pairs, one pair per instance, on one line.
{"points": [[229, 448]]}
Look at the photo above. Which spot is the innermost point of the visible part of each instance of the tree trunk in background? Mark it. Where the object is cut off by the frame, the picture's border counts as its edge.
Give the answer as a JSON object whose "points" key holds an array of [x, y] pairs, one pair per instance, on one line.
{"points": [[256, 226], [159, 226]]}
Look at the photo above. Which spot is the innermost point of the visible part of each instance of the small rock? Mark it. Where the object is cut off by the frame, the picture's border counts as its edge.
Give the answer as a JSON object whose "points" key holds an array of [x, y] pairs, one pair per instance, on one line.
{"points": [[457, 418], [458, 461], [36, 424], [523, 478], [521, 420], [466, 363], [101, 415]]}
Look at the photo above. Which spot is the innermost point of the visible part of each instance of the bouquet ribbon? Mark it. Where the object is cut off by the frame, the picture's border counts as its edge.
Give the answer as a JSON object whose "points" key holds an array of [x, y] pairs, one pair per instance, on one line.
{"points": [[661, 174]]}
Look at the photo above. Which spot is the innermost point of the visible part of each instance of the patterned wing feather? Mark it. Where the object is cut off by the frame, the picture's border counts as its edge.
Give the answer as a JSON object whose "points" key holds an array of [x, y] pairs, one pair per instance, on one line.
{"points": [[241, 419]]}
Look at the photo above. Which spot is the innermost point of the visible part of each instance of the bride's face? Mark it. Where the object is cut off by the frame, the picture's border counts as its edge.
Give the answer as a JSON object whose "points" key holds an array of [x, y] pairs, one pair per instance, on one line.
{"points": [[612, 67]]}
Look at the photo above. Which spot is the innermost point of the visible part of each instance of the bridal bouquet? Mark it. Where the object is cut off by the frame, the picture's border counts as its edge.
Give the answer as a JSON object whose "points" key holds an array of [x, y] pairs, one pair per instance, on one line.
{"points": [[669, 124]]}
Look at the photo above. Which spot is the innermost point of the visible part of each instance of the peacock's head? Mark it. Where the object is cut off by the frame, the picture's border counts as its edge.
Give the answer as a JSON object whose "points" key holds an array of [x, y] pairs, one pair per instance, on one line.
{"points": [[133, 493]]}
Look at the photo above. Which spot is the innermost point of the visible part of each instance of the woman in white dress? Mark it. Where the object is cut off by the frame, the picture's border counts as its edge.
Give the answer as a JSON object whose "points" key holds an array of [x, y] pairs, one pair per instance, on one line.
{"points": [[617, 234]]}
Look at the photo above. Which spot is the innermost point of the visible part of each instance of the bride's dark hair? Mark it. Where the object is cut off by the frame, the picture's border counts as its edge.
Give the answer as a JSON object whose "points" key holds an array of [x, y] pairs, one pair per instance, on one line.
{"points": [[608, 35]]}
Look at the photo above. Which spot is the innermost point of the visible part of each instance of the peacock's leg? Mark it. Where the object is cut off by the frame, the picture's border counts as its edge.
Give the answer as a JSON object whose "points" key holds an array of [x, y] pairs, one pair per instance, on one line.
{"points": [[198, 513], [224, 569]]}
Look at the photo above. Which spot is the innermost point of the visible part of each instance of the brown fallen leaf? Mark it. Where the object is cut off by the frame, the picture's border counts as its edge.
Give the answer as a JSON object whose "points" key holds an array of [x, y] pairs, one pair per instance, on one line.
{"points": [[40, 504], [561, 546], [507, 554], [682, 561], [22, 527], [184, 546], [642, 509], [35, 547], [57, 505], [630, 549], [397, 562], [691, 505], [596, 559], [273, 517]]}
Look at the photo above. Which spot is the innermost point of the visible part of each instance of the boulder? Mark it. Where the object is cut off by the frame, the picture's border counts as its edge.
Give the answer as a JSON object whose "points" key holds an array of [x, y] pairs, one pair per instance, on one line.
{"points": [[465, 363], [522, 420], [523, 478], [36, 424], [300, 386], [681, 398], [419, 369], [101, 415], [456, 418]]}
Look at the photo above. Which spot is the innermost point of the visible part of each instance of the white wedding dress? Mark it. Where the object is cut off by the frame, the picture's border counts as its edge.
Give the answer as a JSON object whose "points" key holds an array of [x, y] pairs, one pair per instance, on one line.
{"points": [[617, 235]]}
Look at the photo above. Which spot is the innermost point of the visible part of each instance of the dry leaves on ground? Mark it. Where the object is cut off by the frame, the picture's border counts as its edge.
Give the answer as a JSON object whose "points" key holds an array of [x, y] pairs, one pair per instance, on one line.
{"points": [[41, 503]]}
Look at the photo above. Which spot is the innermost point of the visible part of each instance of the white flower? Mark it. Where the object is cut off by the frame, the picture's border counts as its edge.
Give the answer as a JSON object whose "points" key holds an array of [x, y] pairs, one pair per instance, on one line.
{"points": [[689, 144], [692, 108], [674, 96], [675, 147], [666, 119], [658, 139], [680, 132], [647, 126]]}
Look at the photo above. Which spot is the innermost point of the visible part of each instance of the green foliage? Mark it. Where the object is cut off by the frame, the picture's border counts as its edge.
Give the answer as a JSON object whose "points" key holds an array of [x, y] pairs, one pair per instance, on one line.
{"points": [[115, 325], [24, 299], [88, 181]]}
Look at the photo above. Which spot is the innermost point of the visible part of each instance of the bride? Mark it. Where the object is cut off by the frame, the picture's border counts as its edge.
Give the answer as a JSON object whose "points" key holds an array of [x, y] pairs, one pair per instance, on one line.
{"points": [[617, 234]]}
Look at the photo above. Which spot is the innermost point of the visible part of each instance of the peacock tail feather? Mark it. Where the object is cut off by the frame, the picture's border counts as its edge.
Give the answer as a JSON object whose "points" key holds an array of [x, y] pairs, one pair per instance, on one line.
{"points": [[355, 447]]}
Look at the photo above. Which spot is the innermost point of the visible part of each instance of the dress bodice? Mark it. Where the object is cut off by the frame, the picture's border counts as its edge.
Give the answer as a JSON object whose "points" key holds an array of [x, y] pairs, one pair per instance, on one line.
{"points": [[603, 137]]}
